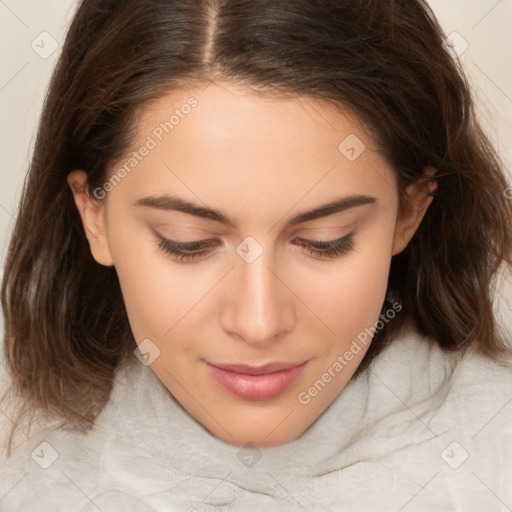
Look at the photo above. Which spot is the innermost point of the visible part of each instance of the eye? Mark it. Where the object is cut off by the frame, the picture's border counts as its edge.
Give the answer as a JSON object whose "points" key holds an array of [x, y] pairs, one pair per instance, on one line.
{"points": [[185, 251], [188, 252], [330, 249]]}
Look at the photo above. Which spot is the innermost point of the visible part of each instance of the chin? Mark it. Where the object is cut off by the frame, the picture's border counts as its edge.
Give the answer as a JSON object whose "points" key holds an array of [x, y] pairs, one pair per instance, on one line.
{"points": [[270, 433], [259, 439]]}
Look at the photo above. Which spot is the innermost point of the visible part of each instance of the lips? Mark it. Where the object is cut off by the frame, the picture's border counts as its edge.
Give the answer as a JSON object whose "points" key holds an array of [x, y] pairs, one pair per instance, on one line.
{"points": [[256, 382], [257, 370]]}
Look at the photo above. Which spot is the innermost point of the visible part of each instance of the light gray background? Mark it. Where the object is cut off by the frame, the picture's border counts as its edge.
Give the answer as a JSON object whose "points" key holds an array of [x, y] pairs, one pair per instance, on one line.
{"points": [[24, 76]]}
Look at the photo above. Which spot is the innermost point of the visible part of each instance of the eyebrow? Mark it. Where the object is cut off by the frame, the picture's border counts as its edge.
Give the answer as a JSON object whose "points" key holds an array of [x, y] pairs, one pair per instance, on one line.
{"points": [[173, 203]]}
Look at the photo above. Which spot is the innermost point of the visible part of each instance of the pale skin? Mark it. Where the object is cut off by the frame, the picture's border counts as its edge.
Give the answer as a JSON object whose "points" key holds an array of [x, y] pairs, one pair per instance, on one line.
{"points": [[261, 162]]}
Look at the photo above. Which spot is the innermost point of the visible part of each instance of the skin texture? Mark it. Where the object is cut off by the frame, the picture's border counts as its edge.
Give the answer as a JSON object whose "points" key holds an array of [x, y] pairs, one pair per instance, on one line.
{"points": [[261, 161]]}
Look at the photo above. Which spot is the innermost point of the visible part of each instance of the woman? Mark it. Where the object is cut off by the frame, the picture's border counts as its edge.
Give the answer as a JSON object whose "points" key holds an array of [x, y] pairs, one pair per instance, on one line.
{"points": [[253, 266]]}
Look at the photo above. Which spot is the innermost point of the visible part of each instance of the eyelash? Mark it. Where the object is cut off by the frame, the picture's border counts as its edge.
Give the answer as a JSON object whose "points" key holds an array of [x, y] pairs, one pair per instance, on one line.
{"points": [[317, 249]]}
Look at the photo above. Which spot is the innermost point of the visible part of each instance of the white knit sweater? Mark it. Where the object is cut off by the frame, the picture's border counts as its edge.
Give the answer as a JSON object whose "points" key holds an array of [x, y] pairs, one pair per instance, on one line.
{"points": [[421, 430]]}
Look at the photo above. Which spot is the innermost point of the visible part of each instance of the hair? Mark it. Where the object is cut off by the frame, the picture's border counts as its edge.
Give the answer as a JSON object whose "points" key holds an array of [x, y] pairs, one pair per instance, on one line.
{"points": [[66, 327]]}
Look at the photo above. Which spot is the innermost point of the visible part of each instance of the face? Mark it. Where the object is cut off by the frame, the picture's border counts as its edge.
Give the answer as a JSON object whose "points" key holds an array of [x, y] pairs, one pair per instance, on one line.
{"points": [[252, 238]]}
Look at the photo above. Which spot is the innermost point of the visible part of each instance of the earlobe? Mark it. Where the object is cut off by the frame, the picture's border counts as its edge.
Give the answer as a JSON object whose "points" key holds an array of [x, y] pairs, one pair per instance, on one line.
{"points": [[419, 196], [92, 213]]}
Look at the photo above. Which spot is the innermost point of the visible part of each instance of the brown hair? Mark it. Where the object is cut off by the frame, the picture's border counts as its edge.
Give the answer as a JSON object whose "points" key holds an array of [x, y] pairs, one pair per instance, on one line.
{"points": [[66, 328]]}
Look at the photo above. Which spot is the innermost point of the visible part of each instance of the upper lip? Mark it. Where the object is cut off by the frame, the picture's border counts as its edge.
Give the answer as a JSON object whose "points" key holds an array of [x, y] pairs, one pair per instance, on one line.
{"points": [[257, 370]]}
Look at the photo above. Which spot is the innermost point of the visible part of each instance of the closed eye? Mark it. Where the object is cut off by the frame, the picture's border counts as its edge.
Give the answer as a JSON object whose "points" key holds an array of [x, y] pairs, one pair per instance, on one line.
{"points": [[330, 249], [188, 252]]}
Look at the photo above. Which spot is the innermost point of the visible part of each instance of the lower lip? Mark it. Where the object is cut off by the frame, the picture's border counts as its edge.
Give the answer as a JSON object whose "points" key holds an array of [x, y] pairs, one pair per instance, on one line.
{"points": [[256, 387]]}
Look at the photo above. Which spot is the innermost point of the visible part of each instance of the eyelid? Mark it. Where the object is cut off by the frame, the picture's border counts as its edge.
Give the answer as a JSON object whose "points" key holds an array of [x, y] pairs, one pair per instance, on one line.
{"points": [[194, 245], [336, 227], [322, 244], [185, 228], [191, 251]]}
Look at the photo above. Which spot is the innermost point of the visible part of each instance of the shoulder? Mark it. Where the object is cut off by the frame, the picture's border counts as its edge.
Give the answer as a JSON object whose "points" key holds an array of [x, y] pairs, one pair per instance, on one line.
{"points": [[64, 469], [82, 472], [418, 363], [49, 471], [477, 392], [460, 388], [477, 410], [446, 419]]}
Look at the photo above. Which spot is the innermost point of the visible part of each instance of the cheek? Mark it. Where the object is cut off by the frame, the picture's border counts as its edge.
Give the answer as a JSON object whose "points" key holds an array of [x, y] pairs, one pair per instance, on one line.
{"points": [[349, 294], [156, 293]]}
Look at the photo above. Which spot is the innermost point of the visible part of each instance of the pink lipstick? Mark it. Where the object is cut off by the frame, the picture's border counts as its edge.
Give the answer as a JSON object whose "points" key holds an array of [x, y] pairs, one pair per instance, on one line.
{"points": [[256, 382]]}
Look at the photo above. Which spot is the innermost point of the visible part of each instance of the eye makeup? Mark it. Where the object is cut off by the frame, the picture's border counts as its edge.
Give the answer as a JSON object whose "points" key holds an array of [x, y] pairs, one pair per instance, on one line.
{"points": [[187, 252]]}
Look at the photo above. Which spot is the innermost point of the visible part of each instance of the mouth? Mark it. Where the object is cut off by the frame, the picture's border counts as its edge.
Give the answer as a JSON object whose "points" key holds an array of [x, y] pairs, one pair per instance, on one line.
{"points": [[256, 382]]}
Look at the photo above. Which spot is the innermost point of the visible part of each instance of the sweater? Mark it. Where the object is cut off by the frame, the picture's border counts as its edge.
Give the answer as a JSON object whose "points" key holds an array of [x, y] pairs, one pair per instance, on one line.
{"points": [[420, 429]]}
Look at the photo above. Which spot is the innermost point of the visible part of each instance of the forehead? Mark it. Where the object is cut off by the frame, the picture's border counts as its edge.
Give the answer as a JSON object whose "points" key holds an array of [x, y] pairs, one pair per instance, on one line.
{"points": [[220, 108], [226, 144]]}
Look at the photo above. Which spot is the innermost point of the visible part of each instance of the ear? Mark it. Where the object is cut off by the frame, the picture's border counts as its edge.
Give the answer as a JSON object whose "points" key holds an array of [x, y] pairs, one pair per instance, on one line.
{"points": [[92, 212], [418, 197]]}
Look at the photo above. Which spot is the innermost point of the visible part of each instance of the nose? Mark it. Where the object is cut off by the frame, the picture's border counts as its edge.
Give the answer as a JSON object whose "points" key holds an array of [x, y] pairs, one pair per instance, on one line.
{"points": [[259, 307]]}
